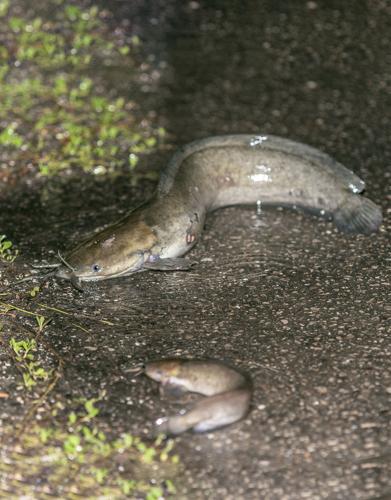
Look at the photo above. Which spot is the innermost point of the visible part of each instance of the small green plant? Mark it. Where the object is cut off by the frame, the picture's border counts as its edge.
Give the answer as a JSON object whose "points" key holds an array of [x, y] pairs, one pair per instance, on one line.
{"points": [[24, 352], [23, 348], [42, 322], [90, 408], [34, 291], [127, 485], [9, 137], [7, 251], [100, 474]]}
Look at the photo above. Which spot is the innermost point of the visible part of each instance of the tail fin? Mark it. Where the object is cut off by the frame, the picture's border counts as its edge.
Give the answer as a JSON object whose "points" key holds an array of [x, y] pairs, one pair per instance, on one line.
{"points": [[358, 215]]}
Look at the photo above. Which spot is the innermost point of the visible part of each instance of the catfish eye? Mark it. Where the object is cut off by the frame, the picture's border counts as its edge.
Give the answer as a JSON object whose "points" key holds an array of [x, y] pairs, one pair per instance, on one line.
{"points": [[96, 268]]}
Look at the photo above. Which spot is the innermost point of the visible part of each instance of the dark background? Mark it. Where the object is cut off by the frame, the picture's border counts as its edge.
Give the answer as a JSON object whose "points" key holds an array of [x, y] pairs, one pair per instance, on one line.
{"points": [[302, 308]]}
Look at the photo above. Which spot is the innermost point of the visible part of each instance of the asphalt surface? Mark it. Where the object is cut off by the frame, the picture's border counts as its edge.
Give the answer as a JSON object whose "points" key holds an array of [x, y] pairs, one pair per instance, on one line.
{"points": [[302, 308]]}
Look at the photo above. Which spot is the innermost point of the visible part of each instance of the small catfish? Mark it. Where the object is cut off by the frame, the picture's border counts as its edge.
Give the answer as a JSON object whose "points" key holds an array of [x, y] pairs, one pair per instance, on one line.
{"points": [[229, 393]]}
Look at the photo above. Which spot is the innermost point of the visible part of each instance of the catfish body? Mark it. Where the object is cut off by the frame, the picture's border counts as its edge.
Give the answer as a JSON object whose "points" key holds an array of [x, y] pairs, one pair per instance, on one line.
{"points": [[213, 173], [228, 393]]}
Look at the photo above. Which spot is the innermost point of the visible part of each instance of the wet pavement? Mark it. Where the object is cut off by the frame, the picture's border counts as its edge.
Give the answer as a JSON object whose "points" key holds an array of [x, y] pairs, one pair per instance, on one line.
{"points": [[302, 308]]}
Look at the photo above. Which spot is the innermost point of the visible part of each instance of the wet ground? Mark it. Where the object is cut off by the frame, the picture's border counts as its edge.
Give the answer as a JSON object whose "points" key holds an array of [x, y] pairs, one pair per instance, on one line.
{"points": [[300, 307]]}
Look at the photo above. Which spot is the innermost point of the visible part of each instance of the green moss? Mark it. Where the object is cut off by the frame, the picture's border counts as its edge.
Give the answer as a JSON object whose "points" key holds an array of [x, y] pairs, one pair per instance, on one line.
{"points": [[79, 459], [58, 109]]}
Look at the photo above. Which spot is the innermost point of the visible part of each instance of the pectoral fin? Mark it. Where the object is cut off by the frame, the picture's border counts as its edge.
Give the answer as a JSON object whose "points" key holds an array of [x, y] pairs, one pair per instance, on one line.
{"points": [[174, 264]]}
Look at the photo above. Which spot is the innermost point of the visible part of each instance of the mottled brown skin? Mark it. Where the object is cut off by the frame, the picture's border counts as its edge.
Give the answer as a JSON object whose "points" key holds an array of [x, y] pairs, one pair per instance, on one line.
{"points": [[213, 173], [229, 393]]}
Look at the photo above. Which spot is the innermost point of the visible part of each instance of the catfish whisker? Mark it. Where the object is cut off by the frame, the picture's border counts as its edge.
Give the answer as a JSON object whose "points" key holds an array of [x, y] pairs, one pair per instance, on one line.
{"points": [[44, 266], [65, 262], [36, 276]]}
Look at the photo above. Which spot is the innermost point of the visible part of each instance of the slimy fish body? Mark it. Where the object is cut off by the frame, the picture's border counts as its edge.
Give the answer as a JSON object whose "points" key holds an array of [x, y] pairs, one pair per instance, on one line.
{"points": [[213, 173], [228, 391]]}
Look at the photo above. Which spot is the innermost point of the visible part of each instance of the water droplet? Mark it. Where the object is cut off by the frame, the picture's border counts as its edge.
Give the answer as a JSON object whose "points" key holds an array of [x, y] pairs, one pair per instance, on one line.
{"points": [[357, 189], [259, 216], [258, 139], [263, 168], [260, 178]]}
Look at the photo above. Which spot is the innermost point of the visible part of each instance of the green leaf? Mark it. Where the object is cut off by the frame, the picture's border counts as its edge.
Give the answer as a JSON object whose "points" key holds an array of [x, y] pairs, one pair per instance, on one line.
{"points": [[154, 493], [16, 24], [28, 380], [72, 12], [91, 410], [72, 418], [72, 444]]}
